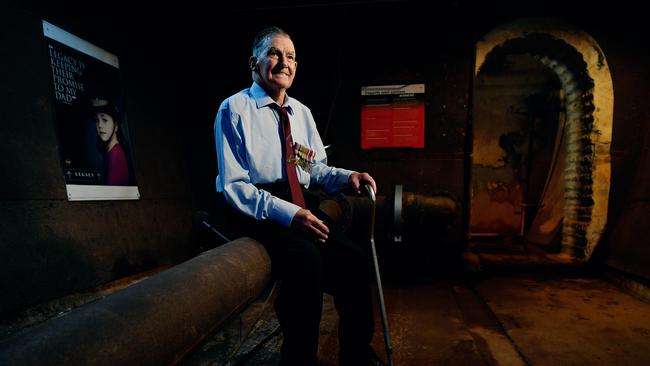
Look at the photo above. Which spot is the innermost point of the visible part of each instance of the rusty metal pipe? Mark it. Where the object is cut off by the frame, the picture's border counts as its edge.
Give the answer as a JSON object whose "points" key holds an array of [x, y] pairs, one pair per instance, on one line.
{"points": [[154, 322], [412, 212]]}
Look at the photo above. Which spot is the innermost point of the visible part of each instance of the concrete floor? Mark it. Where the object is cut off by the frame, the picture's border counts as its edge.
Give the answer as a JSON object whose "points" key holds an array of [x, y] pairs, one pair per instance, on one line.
{"points": [[497, 319]]}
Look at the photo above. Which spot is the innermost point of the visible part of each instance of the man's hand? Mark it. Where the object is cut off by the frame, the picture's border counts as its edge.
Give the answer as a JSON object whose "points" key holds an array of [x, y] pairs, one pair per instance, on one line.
{"points": [[357, 180], [313, 225]]}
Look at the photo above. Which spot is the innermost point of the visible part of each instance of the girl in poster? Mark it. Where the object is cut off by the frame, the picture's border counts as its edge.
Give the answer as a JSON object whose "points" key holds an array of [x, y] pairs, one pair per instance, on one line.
{"points": [[107, 124]]}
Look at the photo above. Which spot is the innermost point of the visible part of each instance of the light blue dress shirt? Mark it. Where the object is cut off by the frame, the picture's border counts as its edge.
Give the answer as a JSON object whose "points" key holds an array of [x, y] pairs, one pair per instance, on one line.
{"points": [[247, 137]]}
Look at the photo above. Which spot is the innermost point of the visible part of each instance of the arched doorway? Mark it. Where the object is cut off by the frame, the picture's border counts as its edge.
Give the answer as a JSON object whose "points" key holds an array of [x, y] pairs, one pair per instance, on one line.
{"points": [[541, 128]]}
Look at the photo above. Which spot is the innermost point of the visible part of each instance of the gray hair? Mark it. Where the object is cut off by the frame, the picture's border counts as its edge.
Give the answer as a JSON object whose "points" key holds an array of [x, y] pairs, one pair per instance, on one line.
{"points": [[262, 39]]}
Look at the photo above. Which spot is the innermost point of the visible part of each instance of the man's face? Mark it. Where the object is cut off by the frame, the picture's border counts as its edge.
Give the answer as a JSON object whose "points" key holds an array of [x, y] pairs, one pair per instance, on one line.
{"points": [[277, 65]]}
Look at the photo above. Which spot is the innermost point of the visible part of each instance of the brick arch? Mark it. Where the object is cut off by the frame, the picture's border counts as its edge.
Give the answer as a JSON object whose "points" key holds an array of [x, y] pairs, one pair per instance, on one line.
{"points": [[582, 69]]}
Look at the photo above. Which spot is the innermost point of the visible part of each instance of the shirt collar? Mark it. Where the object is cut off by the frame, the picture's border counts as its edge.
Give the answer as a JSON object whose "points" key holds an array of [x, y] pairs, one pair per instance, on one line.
{"points": [[262, 98]]}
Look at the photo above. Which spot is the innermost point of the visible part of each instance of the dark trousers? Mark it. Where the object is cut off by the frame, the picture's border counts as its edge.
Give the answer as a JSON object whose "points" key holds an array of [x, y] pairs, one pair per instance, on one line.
{"points": [[306, 269]]}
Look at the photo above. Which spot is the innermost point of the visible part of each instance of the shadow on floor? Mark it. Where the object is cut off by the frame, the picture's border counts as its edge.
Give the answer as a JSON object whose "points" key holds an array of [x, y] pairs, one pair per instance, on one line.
{"points": [[494, 319]]}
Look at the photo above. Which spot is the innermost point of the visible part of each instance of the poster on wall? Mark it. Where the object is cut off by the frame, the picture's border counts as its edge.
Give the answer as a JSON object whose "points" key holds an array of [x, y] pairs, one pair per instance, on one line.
{"points": [[94, 140], [392, 116]]}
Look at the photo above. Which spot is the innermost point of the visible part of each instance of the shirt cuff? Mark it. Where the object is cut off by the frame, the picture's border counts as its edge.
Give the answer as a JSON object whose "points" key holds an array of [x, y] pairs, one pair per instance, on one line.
{"points": [[343, 177], [282, 211]]}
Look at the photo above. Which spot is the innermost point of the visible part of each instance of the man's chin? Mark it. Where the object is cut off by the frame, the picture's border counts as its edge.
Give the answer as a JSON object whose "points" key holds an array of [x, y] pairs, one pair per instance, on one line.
{"points": [[283, 82]]}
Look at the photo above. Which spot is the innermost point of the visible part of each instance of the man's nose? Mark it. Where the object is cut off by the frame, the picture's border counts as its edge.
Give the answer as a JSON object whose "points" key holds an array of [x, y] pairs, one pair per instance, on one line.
{"points": [[285, 60]]}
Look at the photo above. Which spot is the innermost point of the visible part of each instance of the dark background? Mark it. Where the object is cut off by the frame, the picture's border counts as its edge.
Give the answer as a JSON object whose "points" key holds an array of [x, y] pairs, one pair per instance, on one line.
{"points": [[179, 61]]}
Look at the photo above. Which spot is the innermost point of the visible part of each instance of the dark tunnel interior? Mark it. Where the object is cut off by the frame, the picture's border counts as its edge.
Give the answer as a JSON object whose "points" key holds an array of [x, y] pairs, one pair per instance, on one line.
{"points": [[509, 224]]}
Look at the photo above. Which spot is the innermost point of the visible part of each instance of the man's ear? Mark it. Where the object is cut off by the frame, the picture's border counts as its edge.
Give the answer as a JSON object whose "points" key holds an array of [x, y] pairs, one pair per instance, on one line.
{"points": [[252, 62]]}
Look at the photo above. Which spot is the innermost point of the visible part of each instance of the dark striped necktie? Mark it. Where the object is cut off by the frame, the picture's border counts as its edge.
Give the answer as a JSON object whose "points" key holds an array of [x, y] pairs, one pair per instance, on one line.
{"points": [[292, 175]]}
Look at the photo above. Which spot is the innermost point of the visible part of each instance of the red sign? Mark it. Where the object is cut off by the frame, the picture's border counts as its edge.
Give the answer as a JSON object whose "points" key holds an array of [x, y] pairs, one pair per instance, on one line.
{"points": [[392, 116]]}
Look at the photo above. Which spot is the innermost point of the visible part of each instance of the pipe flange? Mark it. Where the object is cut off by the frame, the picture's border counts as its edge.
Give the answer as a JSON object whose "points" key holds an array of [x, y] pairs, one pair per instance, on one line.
{"points": [[397, 218]]}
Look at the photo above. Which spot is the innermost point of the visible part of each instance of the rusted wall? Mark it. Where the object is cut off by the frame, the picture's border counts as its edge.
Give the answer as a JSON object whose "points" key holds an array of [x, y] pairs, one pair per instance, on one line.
{"points": [[402, 46], [627, 247], [512, 107]]}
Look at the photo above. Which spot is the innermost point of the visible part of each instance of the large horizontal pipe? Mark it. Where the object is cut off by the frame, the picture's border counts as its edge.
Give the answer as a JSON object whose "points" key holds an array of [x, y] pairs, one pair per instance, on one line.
{"points": [[401, 213], [153, 322]]}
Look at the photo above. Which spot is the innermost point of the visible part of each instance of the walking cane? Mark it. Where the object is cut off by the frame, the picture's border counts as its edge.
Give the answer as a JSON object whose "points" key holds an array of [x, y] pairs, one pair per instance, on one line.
{"points": [[380, 292]]}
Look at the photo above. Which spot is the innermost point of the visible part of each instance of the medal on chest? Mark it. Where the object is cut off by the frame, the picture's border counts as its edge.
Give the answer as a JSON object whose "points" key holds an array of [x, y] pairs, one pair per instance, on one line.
{"points": [[302, 156]]}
